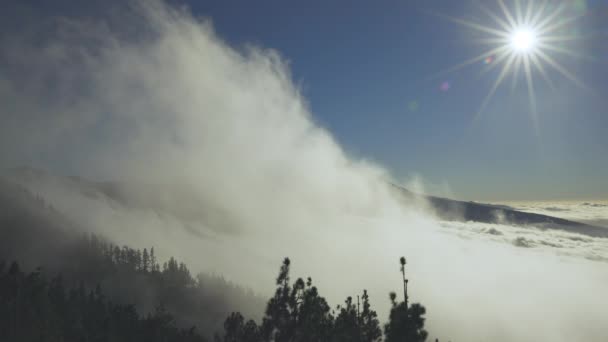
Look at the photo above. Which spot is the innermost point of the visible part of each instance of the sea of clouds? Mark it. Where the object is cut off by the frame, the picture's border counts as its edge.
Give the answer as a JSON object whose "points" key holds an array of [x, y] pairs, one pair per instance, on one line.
{"points": [[590, 212]]}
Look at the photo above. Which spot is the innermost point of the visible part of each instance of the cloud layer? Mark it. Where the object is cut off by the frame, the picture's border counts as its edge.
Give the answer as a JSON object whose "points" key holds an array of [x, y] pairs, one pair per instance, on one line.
{"points": [[591, 212]]}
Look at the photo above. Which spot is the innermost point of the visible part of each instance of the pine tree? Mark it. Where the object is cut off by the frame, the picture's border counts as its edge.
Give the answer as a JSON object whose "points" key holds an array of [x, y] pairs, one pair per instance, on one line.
{"points": [[277, 323], [368, 321], [34, 309], [351, 324], [346, 326], [153, 265], [314, 321], [406, 324], [139, 260], [236, 330], [296, 312], [145, 261]]}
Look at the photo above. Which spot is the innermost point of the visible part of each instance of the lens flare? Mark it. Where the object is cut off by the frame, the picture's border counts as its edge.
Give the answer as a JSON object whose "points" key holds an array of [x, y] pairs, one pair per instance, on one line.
{"points": [[523, 39]]}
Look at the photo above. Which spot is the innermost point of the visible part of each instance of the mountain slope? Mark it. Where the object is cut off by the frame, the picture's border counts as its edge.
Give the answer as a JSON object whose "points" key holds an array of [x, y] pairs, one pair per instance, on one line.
{"points": [[36, 235], [454, 210]]}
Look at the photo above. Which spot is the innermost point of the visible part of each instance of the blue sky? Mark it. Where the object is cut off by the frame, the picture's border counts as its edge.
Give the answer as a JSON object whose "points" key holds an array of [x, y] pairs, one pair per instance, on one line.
{"points": [[367, 69], [369, 72]]}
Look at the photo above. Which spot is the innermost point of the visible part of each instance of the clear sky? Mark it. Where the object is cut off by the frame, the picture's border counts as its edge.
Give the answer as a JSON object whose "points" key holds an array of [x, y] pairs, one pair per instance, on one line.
{"points": [[369, 70], [372, 73]]}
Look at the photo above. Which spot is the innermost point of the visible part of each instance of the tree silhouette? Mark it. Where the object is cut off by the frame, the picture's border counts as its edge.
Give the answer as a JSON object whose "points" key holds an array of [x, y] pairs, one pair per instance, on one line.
{"points": [[352, 325], [72, 306], [368, 321], [406, 324], [314, 321], [153, 265], [405, 281], [34, 309], [347, 327], [296, 312], [236, 330], [145, 260]]}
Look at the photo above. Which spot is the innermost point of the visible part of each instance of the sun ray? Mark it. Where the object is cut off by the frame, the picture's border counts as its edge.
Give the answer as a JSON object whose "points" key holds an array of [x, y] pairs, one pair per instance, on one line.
{"points": [[558, 39], [561, 69], [557, 25], [507, 13], [525, 36], [504, 24], [493, 41], [501, 77], [478, 58], [565, 51], [539, 12], [543, 71], [550, 18], [518, 12], [531, 94], [496, 62], [475, 26], [515, 73], [528, 15]]}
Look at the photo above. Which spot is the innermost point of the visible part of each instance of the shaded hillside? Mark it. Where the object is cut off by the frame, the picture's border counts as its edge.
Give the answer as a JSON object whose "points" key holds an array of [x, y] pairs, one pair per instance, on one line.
{"points": [[168, 200], [35, 307], [34, 234], [31, 231]]}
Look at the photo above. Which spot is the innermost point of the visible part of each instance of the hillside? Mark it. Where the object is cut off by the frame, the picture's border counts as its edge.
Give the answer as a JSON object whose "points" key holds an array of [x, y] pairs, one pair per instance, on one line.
{"points": [[36, 235], [454, 210]]}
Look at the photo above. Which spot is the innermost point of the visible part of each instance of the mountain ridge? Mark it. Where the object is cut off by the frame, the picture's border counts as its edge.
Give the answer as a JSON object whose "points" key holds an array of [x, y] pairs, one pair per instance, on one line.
{"points": [[457, 210]]}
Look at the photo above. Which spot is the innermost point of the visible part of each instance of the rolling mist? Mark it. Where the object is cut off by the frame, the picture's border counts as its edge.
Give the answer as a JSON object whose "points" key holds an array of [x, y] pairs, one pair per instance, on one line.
{"points": [[209, 152]]}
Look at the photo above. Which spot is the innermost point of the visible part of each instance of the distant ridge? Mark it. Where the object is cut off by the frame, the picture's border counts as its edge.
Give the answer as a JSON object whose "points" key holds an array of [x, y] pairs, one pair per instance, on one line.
{"points": [[454, 210]]}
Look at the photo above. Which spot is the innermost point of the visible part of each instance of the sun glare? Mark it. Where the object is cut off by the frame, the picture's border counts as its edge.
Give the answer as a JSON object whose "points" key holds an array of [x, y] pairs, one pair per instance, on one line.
{"points": [[523, 37], [523, 40]]}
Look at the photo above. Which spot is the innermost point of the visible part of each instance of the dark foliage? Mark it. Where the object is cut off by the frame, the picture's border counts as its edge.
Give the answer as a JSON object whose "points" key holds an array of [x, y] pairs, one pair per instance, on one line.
{"points": [[351, 324], [33, 308], [135, 277], [236, 329], [405, 323], [144, 301], [35, 234], [297, 313]]}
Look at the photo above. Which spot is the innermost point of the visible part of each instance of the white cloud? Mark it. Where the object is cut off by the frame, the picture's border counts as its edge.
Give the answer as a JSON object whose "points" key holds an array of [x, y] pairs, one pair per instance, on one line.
{"points": [[591, 212]]}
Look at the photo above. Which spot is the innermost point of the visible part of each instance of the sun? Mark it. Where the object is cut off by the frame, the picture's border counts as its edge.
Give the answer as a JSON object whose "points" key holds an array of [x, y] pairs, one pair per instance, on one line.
{"points": [[523, 40], [524, 37]]}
